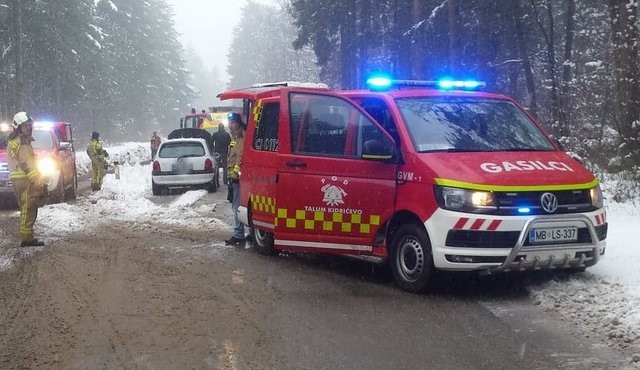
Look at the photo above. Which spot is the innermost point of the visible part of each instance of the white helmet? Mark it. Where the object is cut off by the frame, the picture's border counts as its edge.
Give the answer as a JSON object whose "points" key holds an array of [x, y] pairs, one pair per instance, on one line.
{"points": [[20, 118]]}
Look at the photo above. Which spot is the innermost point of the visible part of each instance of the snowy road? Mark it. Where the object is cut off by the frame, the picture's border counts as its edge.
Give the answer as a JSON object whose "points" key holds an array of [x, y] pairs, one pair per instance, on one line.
{"points": [[166, 293]]}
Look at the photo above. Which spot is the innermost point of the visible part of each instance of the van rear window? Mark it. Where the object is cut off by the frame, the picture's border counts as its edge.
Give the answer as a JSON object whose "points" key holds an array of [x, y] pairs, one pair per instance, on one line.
{"points": [[470, 124]]}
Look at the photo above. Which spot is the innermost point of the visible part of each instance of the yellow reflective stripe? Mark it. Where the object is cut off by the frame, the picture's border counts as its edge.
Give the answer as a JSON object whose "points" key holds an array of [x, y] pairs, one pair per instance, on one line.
{"points": [[257, 112], [18, 174], [474, 186]]}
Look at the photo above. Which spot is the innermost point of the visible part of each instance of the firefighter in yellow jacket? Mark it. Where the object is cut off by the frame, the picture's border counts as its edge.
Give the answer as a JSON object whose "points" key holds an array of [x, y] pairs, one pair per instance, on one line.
{"points": [[23, 172], [97, 155], [233, 166]]}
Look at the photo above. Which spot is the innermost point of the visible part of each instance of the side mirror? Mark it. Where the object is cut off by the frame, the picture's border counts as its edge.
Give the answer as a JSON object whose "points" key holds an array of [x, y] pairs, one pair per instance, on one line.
{"points": [[376, 150], [66, 145]]}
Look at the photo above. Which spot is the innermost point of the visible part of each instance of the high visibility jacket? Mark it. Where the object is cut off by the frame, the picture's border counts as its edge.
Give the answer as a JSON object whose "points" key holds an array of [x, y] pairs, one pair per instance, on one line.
{"points": [[235, 157], [22, 159], [95, 151]]}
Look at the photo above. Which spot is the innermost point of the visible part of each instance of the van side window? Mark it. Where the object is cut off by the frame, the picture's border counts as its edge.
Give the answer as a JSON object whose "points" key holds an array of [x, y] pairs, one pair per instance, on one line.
{"points": [[379, 110], [319, 125], [266, 136], [331, 127]]}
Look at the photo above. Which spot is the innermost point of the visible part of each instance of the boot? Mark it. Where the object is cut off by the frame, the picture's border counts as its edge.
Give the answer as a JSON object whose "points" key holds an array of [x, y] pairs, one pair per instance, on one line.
{"points": [[32, 243], [235, 241]]}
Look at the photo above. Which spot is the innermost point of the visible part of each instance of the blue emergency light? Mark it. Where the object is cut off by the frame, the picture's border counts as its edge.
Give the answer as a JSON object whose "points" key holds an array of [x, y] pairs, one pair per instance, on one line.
{"points": [[385, 82]]}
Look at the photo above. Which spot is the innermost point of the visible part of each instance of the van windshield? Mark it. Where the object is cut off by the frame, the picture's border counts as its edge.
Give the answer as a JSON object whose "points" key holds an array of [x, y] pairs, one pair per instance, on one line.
{"points": [[4, 138], [470, 124], [42, 139]]}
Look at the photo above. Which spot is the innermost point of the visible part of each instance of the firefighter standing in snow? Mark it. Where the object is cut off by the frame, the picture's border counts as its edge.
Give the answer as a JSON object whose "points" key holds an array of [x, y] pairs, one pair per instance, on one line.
{"points": [[155, 142], [233, 168], [27, 182], [96, 154]]}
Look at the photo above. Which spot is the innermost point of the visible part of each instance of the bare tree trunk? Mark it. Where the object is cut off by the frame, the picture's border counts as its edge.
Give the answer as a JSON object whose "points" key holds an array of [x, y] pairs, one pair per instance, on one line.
{"points": [[348, 45], [453, 38], [416, 58], [565, 128], [401, 43], [523, 50], [549, 36], [625, 54], [19, 57]]}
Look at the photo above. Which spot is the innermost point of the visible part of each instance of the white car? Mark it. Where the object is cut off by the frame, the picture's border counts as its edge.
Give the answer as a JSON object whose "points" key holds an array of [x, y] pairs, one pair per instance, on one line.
{"points": [[183, 163]]}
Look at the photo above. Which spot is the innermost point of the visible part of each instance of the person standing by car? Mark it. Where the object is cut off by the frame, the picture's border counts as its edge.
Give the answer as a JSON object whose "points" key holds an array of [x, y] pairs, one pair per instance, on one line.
{"points": [[221, 140], [97, 155], [233, 167], [28, 185], [155, 144]]}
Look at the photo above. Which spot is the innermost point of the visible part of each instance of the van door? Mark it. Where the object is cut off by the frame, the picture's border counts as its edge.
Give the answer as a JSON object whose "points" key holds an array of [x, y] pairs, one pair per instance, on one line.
{"points": [[336, 175]]}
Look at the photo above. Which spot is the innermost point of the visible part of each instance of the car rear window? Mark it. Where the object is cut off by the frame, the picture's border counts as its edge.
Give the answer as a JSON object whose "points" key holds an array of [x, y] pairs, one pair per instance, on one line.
{"points": [[181, 149]]}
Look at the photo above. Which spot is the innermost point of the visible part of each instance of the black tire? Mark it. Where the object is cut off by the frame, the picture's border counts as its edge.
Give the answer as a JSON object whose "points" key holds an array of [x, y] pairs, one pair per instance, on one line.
{"points": [[57, 195], [213, 186], [263, 241], [411, 260], [72, 192], [575, 270], [155, 188]]}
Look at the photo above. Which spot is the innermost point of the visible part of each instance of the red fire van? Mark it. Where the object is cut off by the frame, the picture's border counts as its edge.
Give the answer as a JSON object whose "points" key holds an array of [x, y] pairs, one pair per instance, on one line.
{"points": [[423, 175]]}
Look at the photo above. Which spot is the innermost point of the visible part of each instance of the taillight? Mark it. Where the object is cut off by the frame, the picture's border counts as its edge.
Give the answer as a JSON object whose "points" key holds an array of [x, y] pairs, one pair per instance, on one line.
{"points": [[208, 165], [156, 167]]}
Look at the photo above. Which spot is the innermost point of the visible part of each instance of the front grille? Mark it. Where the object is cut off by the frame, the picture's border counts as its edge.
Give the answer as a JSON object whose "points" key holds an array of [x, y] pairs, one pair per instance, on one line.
{"points": [[569, 201], [482, 239]]}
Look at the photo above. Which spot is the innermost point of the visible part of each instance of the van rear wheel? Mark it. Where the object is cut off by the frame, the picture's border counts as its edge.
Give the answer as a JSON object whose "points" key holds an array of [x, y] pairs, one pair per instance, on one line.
{"points": [[411, 258]]}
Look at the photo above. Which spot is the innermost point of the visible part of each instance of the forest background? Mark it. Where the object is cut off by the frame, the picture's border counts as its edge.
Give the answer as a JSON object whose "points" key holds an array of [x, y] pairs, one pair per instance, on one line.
{"points": [[116, 66]]}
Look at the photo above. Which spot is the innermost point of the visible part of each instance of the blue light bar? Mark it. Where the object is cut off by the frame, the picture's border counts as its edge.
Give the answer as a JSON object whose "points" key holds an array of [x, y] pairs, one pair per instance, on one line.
{"points": [[379, 82], [524, 210], [385, 82], [454, 84]]}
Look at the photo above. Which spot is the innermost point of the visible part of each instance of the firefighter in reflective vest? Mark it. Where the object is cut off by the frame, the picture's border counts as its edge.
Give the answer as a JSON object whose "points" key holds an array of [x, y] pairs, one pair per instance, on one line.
{"points": [[96, 154], [28, 185], [155, 142], [233, 168]]}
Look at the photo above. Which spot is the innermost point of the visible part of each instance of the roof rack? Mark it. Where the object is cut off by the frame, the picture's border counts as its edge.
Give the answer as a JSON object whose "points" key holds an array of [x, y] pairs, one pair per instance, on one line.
{"points": [[312, 85]]}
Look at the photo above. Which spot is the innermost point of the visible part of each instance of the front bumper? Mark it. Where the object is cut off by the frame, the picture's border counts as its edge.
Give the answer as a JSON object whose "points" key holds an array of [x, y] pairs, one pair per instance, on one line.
{"points": [[467, 242]]}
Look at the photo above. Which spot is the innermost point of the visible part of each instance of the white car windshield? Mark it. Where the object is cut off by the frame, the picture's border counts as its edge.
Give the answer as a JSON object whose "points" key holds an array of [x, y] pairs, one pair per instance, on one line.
{"points": [[470, 124], [181, 149]]}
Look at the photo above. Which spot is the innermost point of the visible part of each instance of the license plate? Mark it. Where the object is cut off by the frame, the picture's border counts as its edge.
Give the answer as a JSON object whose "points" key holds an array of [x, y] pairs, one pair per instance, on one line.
{"points": [[553, 235]]}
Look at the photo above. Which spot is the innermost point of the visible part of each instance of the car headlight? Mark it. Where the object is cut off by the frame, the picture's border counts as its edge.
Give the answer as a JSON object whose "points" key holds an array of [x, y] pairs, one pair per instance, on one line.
{"points": [[596, 197], [47, 166], [456, 199]]}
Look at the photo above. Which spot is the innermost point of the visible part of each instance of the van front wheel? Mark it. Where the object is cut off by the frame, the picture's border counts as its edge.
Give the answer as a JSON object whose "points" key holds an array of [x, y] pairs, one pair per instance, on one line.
{"points": [[411, 259], [263, 241]]}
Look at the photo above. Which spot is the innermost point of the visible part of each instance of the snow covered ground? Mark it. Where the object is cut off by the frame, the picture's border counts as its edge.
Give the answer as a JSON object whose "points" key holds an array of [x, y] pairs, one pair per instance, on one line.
{"points": [[605, 299]]}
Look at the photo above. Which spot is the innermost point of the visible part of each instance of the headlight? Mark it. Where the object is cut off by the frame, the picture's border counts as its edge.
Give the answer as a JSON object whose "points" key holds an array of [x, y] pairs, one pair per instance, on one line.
{"points": [[596, 197], [47, 166], [456, 199]]}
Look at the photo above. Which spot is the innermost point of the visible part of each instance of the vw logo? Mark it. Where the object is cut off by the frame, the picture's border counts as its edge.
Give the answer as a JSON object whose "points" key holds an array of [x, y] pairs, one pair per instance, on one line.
{"points": [[549, 202]]}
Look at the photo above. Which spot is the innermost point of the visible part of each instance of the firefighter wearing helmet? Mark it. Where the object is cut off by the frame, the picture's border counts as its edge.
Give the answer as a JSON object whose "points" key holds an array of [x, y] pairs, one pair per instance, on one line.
{"points": [[97, 156], [28, 185]]}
